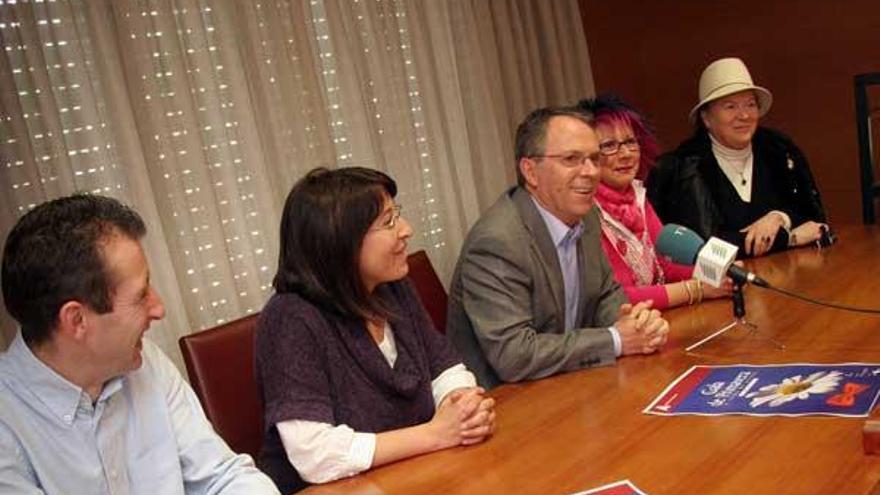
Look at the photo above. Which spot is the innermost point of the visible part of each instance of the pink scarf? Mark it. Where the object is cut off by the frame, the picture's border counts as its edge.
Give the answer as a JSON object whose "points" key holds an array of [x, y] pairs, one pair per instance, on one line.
{"points": [[622, 206]]}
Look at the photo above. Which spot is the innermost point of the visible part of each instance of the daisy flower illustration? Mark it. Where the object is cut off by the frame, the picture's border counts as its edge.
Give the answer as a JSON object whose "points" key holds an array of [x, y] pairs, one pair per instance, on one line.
{"points": [[795, 387]]}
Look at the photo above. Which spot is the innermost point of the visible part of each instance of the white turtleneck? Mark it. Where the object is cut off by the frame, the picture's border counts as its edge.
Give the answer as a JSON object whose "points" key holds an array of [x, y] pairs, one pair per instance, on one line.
{"points": [[737, 167]]}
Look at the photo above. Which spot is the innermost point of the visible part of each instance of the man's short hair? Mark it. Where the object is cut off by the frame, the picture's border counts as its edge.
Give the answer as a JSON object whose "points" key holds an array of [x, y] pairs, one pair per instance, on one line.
{"points": [[54, 255], [531, 134]]}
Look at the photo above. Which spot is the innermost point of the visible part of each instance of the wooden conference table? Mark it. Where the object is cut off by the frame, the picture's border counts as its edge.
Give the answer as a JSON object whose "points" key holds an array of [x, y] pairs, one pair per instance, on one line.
{"points": [[585, 429]]}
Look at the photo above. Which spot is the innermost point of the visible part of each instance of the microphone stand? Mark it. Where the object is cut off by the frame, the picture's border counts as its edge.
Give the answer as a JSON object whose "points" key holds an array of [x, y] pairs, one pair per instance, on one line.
{"points": [[739, 316]]}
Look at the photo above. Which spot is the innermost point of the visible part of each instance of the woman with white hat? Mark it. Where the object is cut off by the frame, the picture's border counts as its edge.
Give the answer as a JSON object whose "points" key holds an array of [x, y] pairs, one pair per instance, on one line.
{"points": [[732, 179]]}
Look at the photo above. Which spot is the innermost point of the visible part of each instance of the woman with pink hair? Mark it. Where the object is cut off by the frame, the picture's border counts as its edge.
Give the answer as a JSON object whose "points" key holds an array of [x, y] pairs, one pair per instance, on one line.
{"points": [[629, 224]]}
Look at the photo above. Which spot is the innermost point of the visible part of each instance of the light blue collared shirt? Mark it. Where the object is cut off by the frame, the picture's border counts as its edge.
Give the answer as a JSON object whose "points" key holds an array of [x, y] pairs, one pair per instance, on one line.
{"points": [[565, 239], [146, 434]]}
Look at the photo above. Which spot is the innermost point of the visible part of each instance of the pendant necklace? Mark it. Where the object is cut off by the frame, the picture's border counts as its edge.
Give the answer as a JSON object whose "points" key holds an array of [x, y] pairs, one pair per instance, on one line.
{"points": [[740, 170]]}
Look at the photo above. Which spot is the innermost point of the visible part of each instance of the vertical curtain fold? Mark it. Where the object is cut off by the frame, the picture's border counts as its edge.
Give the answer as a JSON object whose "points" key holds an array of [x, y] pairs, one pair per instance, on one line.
{"points": [[203, 113]]}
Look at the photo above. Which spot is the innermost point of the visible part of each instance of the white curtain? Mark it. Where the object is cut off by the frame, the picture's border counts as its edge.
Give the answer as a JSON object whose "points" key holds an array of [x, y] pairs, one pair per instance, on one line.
{"points": [[203, 113]]}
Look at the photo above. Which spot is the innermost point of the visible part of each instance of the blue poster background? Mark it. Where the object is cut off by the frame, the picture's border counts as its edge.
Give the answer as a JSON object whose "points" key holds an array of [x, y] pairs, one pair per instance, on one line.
{"points": [[849, 389]]}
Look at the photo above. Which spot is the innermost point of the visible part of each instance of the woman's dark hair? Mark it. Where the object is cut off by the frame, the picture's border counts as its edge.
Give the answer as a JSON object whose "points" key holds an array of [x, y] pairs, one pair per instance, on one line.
{"points": [[326, 216], [609, 109], [54, 254], [699, 125]]}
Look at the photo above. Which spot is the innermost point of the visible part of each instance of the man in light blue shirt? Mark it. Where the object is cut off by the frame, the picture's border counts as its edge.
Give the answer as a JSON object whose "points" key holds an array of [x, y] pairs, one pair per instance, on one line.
{"points": [[87, 405], [533, 294]]}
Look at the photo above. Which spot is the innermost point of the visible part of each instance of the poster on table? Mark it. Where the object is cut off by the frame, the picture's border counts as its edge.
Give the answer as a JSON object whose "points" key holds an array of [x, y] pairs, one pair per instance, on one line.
{"points": [[624, 487], [848, 389]]}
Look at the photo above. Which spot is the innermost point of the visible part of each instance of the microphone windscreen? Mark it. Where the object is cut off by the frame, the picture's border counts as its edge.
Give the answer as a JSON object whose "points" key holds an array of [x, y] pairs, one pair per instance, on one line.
{"points": [[678, 243]]}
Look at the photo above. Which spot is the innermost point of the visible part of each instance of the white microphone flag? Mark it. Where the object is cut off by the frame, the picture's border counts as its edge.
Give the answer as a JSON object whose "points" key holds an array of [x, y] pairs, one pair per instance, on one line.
{"points": [[713, 261]]}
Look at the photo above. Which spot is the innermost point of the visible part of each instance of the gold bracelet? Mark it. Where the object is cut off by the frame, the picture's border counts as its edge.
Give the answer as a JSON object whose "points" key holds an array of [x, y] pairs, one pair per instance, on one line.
{"points": [[687, 288], [699, 291]]}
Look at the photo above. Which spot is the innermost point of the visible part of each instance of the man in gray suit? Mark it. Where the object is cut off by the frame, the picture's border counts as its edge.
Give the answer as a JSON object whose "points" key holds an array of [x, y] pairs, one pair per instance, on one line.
{"points": [[533, 294]]}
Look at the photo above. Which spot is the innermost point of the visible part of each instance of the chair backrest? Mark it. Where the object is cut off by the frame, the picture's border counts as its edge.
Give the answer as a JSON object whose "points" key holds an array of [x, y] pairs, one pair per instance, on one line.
{"points": [[429, 288], [867, 115], [220, 365]]}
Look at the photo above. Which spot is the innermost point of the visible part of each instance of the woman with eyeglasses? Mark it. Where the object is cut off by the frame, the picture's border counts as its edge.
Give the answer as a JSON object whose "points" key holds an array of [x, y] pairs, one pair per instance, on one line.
{"points": [[627, 150], [351, 372], [735, 180]]}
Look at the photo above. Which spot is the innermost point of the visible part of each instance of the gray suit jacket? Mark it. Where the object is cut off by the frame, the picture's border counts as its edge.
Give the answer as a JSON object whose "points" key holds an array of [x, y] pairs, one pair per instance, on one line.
{"points": [[507, 298]]}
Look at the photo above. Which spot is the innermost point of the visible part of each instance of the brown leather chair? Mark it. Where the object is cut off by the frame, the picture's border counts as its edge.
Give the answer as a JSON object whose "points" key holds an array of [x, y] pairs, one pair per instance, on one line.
{"points": [[429, 288], [220, 365]]}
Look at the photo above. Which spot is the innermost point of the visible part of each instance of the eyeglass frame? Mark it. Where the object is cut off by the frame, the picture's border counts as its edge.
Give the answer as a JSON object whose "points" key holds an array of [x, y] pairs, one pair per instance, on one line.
{"points": [[566, 159], [631, 144], [392, 222]]}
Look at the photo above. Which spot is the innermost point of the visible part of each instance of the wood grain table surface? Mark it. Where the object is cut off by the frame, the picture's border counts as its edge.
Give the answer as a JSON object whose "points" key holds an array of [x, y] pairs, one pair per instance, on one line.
{"points": [[584, 429]]}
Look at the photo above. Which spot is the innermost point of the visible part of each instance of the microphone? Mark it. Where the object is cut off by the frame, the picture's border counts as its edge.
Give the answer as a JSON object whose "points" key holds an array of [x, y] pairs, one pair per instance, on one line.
{"points": [[683, 246], [712, 260]]}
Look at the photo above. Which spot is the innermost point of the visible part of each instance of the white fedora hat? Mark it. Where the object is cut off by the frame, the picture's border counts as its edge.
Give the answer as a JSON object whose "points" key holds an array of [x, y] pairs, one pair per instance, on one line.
{"points": [[727, 76]]}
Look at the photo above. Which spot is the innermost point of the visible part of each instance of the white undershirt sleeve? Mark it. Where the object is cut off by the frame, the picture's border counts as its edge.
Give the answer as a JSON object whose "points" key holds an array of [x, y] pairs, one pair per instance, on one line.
{"points": [[618, 343], [321, 452], [456, 376], [786, 220]]}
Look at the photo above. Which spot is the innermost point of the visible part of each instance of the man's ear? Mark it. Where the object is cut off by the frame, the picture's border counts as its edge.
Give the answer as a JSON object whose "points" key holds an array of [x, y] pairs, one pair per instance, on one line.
{"points": [[72, 320], [527, 169]]}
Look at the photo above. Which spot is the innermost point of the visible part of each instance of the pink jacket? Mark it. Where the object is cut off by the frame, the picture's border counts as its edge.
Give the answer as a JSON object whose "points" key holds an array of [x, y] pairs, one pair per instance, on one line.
{"points": [[624, 274]]}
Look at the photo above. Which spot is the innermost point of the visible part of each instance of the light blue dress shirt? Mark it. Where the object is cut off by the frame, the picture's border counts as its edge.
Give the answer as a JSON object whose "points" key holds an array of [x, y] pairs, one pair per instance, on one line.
{"points": [[146, 434], [565, 239]]}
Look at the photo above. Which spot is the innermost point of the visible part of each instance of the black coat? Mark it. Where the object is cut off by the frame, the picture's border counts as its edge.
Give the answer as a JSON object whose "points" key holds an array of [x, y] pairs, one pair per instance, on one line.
{"points": [[688, 187]]}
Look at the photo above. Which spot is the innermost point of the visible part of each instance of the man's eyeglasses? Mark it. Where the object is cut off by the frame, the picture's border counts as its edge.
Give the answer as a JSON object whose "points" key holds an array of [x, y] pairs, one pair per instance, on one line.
{"points": [[609, 148], [390, 218], [570, 160]]}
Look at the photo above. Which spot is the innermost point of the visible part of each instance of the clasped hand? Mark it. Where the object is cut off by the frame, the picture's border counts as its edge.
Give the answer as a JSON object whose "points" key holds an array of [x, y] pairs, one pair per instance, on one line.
{"points": [[465, 417], [761, 234], [642, 329]]}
